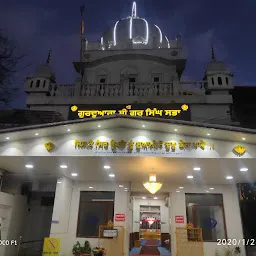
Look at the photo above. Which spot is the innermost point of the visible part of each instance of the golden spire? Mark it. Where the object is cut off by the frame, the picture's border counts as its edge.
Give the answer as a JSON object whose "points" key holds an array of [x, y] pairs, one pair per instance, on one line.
{"points": [[49, 56]]}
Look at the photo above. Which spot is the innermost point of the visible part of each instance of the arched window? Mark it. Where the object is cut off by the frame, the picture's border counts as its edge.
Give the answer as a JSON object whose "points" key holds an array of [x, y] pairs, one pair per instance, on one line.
{"points": [[37, 83], [31, 84], [219, 80], [212, 81], [44, 83], [227, 80]]}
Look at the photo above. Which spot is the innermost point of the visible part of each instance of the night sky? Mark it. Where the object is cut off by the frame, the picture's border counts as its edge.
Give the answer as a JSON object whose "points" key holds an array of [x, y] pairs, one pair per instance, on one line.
{"points": [[40, 25]]}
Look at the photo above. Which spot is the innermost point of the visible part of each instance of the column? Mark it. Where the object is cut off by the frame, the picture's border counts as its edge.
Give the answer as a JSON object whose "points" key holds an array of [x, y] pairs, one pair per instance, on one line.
{"points": [[61, 212]]}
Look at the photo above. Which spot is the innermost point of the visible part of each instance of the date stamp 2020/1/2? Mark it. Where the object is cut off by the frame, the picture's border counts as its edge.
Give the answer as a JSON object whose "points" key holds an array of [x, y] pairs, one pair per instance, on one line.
{"points": [[236, 242]]}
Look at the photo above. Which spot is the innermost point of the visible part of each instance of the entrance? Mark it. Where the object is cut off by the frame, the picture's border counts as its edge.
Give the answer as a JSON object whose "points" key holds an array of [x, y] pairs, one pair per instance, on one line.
{"points": [[151, 226]]}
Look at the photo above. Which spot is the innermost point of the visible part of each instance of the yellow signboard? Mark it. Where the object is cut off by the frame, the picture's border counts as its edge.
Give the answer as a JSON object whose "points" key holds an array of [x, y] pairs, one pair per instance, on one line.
{"points": [[51, 246]]}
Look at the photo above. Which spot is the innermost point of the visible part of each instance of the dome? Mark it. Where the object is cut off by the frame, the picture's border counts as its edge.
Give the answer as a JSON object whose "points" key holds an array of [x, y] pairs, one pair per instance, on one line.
{"points": [[135, 30], [45, 71]]}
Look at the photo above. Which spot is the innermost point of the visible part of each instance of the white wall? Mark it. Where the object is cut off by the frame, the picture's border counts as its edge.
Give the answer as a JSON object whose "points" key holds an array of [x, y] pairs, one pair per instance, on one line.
{"points": [[13, 209], [66, 207], [164, 213], [231, 209]]}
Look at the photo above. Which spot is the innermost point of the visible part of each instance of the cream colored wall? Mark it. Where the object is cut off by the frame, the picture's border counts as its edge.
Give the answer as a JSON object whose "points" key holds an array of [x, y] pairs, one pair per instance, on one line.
{"points": [[164, 213], [13, 208], [66, 207], [231, 209]]}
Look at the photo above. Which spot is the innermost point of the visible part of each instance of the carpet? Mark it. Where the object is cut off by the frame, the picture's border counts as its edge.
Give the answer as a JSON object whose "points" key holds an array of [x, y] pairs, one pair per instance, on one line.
{"points": [[151, 242], [149, 250]]}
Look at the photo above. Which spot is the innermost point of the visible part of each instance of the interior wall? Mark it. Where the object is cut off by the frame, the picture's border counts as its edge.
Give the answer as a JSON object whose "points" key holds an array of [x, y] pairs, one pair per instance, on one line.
{"points": [[66, 212], [165, 228], [12, 211]]}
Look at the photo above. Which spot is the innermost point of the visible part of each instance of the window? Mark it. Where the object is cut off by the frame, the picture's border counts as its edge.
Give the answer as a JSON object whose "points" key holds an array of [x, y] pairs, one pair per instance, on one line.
{"points": [[95, 209], [103, 80], [37, 83], [206, 211], [31, 84], [132, 79], [44, 83], [212, 81], [219, 81], [227, 80], [156, 79]]}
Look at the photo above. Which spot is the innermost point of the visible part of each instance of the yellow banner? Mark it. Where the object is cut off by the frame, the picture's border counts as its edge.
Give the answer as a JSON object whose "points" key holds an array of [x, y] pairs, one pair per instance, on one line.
{"points": [[51, 246]]}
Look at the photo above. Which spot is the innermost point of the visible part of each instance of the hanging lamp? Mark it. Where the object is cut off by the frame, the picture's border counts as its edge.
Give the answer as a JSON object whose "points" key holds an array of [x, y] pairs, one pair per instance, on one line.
{"points": [[152, 186]]}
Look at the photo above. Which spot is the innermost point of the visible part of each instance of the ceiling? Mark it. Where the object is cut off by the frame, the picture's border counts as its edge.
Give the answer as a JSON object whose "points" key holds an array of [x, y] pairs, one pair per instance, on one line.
{"points": [[134, 169], [201, 130]]}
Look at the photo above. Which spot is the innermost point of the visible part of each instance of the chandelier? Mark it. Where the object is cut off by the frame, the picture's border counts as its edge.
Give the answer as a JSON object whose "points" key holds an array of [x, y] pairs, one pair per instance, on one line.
{"points": [[152, 186]]}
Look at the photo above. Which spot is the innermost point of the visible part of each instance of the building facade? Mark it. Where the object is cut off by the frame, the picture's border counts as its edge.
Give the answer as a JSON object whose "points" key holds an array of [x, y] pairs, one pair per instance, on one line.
{"points": [[135, 63]]}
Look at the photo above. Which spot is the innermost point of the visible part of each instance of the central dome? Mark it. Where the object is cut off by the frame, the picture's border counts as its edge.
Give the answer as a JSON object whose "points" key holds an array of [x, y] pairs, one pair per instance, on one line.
{"points": [[134, 30]]}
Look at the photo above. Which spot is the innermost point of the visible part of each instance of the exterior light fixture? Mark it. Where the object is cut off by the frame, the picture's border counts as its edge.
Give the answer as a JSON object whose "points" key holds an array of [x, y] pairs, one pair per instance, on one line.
{"points": [[178, 191], [144, 197], [207, 191], [63, 166], [99, 126], [208, 134], [197, 169], [243, 169], [68, 130], [59, 182], [243, 138], [74, 174], [121, 186], [36, 134], [111, 175], [190, 177], [181, 187], [29, 166], [90, 187], [229, 177], [7, 138], [143, 126], [211, 188], [152, 186], [155, 198], [106, 167], [175, 130]]}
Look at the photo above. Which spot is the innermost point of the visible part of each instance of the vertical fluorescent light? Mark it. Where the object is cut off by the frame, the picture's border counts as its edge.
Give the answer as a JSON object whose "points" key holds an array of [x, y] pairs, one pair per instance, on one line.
{"points": [[147, 32], [167, 41], [134, 9], [131, 19], [161, 35], [115, 32]]}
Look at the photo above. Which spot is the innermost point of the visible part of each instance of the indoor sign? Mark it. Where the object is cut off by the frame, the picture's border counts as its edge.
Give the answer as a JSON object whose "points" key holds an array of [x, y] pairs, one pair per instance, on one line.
{"points": [[178, 111]]}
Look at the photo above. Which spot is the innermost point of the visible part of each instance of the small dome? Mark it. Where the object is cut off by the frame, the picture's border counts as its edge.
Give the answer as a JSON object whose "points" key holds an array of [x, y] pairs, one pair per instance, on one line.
{"points": [[216, 66], [136, 30], [45, 71]]}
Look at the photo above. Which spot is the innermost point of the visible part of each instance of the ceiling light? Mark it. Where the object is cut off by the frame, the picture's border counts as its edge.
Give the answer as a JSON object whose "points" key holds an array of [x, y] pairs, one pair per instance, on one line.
{"points": [[68, 130], [121, 186], [197, 169], [243, 169], [208, 134], [7, 138], [177, 191], [229, 177], [74, 174], [190, 177], [111, 175], [143, 126], [106, 167], [29, 166], [99, 126], [175, 130], [211, 188], [144, 197], [181, 187], [152, 186], [90, 187], [155, 198], [36, 134], [243, 138], [59, 182], [63, 166]]}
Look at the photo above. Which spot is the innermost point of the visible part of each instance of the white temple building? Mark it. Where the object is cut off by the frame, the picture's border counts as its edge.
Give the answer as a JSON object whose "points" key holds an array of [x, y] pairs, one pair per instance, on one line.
{"points": [[135, 63]]}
